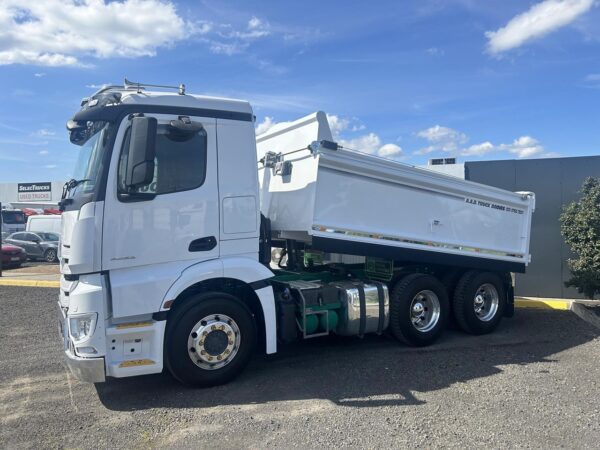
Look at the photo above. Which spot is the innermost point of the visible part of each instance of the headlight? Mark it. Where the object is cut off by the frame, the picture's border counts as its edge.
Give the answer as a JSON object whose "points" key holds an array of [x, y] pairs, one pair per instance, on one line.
{"points": [[82, 326]]}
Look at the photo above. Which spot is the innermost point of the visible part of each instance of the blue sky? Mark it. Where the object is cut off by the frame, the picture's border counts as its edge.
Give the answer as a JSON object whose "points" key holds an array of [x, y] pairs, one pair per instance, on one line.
{"points": [[409, 80]]}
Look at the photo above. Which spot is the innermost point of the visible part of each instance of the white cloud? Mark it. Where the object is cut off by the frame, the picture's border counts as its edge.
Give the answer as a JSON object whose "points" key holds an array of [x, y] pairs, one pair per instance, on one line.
{"points": [[447, 140], [256, 28], [39, 74], [228, 41], [592, 80], [541, 19], [524, 147], [438, 133], [50, 166], [441, 139], [44, 132], [337, 124], [435, 51], [390, 151], [96, 86], [371, 143], [478, 149], [265, 125], [43, 152], [368, 143], [60, 32]]}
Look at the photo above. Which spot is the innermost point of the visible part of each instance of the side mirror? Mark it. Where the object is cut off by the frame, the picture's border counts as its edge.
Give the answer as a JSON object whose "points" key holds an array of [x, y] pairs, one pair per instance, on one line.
{"points": [[36, 240], [142, 150]]}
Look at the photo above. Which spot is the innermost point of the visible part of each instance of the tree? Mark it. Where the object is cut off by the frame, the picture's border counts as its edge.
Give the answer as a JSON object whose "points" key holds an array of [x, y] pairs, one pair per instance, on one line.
{"points": [[580, 226]]}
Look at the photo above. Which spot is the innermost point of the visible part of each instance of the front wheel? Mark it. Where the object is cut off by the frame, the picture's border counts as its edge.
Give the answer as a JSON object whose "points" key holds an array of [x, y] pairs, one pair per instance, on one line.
{"points": [[210, 339], [50, 255], [418, 309]]}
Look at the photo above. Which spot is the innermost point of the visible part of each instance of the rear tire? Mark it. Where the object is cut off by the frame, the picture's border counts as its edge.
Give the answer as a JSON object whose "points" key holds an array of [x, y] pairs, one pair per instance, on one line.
{"points": [[479, 302], [209, 339], [418, 309]]}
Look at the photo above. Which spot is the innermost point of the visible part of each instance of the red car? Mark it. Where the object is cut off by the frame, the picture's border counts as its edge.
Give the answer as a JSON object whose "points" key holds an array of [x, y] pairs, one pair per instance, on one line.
{"points": [[12, 256]]}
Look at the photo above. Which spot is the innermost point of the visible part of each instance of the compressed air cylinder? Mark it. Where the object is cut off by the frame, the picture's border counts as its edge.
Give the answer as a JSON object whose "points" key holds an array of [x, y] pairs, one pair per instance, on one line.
{"points": [[331, 317], [312, 323]]}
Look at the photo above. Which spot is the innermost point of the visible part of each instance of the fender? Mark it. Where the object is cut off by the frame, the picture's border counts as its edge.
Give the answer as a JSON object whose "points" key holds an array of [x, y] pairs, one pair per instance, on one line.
{"points": [[247, 270], [201, 271]]}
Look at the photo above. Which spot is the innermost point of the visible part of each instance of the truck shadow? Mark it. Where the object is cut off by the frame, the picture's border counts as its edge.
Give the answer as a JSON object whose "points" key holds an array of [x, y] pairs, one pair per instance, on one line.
{"points": [[373, 371]]}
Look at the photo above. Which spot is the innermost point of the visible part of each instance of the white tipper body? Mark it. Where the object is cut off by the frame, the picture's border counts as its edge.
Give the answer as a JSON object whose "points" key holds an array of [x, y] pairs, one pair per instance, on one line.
{"points": [[131, 258], [358, 198]]}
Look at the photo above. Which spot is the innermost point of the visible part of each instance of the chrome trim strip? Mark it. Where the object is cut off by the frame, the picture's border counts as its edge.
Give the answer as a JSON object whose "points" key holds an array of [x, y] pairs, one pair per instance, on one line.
{"points": [[363, 234]]}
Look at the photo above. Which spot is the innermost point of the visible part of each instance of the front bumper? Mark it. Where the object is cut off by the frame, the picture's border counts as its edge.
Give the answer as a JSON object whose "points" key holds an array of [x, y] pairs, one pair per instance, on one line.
{"points": [[90, 370]]}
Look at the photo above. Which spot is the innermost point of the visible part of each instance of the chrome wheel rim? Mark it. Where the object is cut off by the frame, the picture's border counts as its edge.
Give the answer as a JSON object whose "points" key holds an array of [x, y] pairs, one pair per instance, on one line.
{"points": [[486, 302], [214, 341], [425, 311]]}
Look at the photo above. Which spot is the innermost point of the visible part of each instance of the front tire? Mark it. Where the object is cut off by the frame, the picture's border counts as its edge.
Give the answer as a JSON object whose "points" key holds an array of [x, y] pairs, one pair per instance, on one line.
{"points": [[209, 339], [418, 309], [50, 255], [479, 302]]}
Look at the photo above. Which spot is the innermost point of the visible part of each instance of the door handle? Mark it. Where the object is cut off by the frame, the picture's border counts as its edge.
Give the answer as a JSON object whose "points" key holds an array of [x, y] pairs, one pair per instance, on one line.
{"points": [[203, 244]]}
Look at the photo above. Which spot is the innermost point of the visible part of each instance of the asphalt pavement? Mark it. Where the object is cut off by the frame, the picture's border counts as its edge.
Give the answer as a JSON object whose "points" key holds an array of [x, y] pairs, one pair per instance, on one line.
{"points": [[535, 383]]}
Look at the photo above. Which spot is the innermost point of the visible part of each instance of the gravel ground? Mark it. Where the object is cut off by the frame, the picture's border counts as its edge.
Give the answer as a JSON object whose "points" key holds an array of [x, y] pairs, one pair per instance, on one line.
{"points": [[533, 383]]}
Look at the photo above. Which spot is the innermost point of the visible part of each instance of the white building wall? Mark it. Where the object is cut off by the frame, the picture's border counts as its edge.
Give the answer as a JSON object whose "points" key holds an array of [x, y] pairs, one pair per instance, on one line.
{"points": [[456, 170]]}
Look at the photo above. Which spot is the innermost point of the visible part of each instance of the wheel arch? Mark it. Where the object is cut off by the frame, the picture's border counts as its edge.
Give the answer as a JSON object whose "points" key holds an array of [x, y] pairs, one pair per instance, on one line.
{"points": [[243, 278]]}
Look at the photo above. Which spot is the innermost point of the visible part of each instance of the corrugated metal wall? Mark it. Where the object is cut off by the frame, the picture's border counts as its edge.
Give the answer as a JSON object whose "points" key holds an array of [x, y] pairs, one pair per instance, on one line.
{"points": [[555, 182]]}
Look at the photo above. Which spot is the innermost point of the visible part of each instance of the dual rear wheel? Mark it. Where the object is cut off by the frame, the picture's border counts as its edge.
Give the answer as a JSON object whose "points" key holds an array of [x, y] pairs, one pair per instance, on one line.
{"points": [[420, 306]]}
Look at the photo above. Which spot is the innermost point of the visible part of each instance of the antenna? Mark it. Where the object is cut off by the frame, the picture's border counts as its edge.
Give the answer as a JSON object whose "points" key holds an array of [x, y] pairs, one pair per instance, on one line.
{"points": [[141, 86]]}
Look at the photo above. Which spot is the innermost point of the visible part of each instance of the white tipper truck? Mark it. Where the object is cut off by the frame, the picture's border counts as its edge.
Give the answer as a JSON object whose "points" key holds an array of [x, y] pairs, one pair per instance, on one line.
{"points": [[169, 223]]}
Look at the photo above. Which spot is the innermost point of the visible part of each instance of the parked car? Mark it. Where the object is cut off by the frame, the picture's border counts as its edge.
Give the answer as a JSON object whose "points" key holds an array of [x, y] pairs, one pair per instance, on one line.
{"points": [[12, 256], [37, 245]]}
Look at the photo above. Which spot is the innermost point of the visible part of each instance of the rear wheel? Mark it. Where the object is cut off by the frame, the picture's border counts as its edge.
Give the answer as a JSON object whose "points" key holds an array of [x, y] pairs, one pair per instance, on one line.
{"points": [[479, 301], [418, 309], [210, 339]]}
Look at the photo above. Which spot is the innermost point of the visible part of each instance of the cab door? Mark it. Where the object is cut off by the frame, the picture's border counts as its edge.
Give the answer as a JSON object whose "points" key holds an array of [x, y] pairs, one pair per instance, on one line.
{"points": [[173, 222]]}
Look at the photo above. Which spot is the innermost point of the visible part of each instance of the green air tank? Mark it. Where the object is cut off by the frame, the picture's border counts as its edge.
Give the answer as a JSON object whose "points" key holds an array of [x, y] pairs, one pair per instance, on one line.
{"points": [[331, 317]]}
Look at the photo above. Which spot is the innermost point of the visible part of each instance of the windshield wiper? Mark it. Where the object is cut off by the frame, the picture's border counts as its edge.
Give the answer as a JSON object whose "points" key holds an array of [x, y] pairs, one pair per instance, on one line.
{"points": [[71, 184]]}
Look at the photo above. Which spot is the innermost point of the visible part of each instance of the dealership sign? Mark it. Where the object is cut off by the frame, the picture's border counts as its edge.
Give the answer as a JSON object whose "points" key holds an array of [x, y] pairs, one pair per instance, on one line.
{"points": [[28, 192]]}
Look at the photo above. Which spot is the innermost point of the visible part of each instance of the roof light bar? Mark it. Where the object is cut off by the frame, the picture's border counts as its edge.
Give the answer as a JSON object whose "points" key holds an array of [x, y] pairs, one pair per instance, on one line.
{"points": [[140, 86]]}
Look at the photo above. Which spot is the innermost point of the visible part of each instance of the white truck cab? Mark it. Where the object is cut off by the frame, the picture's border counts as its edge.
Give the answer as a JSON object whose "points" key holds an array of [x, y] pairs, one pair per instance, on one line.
{"points": [[165, 255]]}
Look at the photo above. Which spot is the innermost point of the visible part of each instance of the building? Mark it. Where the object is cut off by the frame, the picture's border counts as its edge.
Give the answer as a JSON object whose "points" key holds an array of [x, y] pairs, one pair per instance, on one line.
{"points": [[40, 195], [556, 182]]}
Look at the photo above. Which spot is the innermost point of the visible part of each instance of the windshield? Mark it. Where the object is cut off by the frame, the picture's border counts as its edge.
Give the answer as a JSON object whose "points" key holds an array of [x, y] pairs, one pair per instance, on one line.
{"points": [[48, 236], [13, 217], [93, 140]]}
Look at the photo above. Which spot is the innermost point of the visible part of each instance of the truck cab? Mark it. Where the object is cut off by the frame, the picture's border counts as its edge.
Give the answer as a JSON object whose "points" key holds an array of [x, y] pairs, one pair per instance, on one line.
{"points": [[140, 227], [12, 221]]}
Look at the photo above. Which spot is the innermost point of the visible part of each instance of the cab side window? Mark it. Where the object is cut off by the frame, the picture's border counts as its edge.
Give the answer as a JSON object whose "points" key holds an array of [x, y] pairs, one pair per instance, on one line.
{"points": [[180, 162]]}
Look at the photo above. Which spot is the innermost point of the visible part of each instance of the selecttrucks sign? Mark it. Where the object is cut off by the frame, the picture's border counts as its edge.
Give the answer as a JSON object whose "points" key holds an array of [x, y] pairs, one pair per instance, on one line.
{"points": [[28, 192]]}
